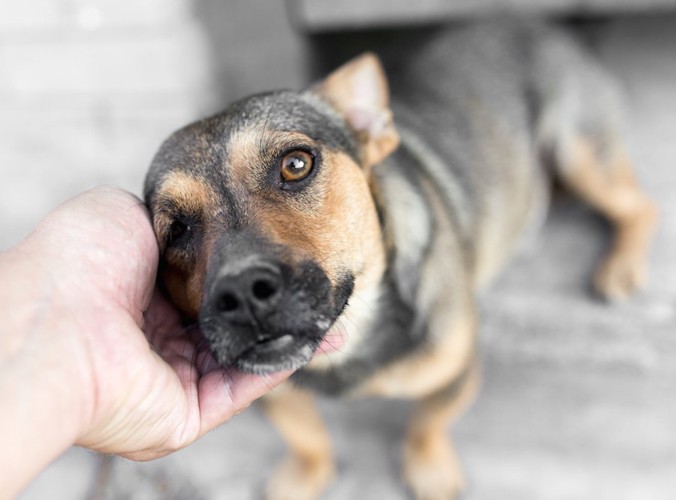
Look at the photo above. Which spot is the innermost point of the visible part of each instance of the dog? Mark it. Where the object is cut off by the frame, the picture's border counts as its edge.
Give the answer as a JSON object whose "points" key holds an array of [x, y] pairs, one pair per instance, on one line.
{"points": [[360, 218]]}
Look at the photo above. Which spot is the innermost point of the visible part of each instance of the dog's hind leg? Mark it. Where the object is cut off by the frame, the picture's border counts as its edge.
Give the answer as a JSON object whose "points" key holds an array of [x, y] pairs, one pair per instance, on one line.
{"points": [[431, 468], [309, 468], [606, 181], [581, 130]]}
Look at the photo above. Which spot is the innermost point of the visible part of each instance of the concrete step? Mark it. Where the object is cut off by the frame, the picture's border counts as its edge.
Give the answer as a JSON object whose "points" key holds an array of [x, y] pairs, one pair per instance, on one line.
{"points": [[328, 15], [536, 432], [543, 308]]}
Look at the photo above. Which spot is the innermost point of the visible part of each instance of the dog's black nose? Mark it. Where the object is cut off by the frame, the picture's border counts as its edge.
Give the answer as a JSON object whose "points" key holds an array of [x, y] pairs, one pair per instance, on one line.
{"points": [[248, 294]]}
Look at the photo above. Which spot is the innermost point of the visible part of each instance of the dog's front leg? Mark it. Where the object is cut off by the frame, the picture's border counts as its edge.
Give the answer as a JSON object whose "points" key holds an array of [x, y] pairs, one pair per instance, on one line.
{"points": [[431, 468], [309, 468]]}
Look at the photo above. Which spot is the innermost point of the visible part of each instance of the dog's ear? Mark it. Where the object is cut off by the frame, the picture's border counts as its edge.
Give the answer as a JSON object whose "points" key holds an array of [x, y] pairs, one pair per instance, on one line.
{"points": [[359, 91]]}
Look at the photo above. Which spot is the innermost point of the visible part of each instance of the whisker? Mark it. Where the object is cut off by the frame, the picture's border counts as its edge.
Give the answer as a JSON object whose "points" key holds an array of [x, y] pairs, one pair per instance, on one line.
{"points": [[137, 204], [266, 381]]}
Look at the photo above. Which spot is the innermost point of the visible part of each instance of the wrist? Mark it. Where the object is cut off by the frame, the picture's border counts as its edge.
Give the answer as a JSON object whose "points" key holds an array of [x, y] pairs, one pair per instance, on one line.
{"points": [[39, 380]]}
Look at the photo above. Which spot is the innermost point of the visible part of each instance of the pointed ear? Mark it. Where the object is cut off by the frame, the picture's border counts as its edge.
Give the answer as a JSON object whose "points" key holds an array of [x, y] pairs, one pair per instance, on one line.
{"points": [[359, 91]]}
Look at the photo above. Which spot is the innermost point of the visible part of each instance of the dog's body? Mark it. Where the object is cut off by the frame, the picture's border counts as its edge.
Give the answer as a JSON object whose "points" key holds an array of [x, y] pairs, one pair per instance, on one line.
{"points": [[380, 233]]}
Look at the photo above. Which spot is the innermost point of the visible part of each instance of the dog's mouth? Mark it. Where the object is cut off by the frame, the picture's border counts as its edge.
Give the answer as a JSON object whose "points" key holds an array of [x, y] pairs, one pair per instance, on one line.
{"points": [[262, 353], [287, 352], [255, 352]]}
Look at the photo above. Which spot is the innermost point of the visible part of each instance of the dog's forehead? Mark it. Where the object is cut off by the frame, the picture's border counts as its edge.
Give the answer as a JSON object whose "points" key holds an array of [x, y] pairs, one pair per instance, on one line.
{"points": [[286, 111], [245, 129]]}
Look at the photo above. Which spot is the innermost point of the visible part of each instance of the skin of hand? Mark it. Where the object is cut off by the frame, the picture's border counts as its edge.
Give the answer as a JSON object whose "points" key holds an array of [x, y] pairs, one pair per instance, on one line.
{"points": [[91, 354]]}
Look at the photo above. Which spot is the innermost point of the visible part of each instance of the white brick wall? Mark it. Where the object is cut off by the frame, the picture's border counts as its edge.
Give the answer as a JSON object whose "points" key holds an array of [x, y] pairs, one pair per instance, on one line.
{"points": [[88, 89], [60, 14]]}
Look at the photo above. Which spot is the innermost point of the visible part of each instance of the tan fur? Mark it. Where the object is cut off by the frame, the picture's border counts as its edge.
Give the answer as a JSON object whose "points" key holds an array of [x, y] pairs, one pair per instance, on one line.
{"points": [[430, 466], [185, 288], [309, 468], [184, 277], [452, 324], [612, 189], [425, 372], [188, 194]]}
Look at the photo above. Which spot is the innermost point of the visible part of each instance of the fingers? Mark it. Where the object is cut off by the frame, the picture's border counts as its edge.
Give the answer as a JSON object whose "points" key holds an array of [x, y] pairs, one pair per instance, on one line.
{"points": [[100, 241], [129, 230], [213, 393], [105, 209], [162, 321], [225, 393]]}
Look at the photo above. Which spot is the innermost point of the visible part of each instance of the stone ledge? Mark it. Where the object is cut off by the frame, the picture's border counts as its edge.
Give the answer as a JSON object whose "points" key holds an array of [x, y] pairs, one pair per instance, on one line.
{"points": [[331, 15]]}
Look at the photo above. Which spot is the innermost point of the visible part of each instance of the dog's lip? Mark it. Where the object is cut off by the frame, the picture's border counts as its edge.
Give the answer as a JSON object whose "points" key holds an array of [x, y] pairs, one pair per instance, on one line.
{"points": [[272, 345], [286, 352]]}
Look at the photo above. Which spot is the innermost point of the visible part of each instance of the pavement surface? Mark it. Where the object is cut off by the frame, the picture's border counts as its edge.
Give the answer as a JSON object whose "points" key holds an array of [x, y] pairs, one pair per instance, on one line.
{"points": [[578, 398]]}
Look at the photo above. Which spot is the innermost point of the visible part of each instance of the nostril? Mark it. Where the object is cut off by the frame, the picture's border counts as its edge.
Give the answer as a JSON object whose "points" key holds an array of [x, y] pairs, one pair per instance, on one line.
{"points": [[246, 295], [228, 303], [264, 289]]}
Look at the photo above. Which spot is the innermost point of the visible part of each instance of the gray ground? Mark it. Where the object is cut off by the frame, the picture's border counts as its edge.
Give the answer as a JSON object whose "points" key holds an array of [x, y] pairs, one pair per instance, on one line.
{"points": [[578, 400]]}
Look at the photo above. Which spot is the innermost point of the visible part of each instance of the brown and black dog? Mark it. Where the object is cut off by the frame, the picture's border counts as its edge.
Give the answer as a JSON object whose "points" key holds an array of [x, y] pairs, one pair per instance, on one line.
{"points": [[371, 214]]}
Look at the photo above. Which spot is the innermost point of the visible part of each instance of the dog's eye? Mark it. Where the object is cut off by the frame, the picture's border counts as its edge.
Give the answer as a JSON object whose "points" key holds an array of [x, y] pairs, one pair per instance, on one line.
{"points": [[296, 166], [177, 231]]}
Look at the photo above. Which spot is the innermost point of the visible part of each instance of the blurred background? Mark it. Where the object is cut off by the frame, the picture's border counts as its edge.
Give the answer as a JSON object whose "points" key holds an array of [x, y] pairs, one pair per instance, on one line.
{"points": [[579, 397]]}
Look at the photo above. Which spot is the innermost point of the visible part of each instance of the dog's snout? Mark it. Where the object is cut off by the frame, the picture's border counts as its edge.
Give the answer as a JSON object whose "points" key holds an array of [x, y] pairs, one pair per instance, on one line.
{"points": [[249, 294]]}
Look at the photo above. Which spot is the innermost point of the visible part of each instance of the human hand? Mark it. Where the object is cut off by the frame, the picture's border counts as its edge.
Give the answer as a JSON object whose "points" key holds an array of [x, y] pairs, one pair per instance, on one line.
{"points": [[120, 371]]}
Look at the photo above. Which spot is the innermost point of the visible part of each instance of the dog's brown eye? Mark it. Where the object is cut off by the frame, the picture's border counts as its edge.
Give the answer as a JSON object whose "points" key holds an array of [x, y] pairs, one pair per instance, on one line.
{"points": [[296, 166]]}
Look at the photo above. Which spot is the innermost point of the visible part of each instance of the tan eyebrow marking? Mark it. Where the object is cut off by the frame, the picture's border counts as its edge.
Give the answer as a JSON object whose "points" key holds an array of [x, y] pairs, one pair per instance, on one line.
{"points": [[188, 193], [185, 194]]}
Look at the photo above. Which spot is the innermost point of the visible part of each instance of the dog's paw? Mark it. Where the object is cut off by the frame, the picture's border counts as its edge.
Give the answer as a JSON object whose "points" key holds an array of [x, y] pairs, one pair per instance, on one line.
{"points": [[619, 276], [298, 479], [433, 474]]}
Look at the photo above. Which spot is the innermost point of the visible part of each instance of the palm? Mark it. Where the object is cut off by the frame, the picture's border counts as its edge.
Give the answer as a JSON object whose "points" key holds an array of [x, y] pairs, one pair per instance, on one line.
{"points": [[149, 390]]}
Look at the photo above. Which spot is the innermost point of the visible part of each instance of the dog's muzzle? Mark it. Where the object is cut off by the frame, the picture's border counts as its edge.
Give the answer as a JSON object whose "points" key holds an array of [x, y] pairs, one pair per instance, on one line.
{"points": [[260, 313]]}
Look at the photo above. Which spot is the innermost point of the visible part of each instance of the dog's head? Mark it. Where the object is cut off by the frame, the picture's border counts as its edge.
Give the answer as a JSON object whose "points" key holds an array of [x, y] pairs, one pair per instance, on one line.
{"points": [[265, 218]]}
